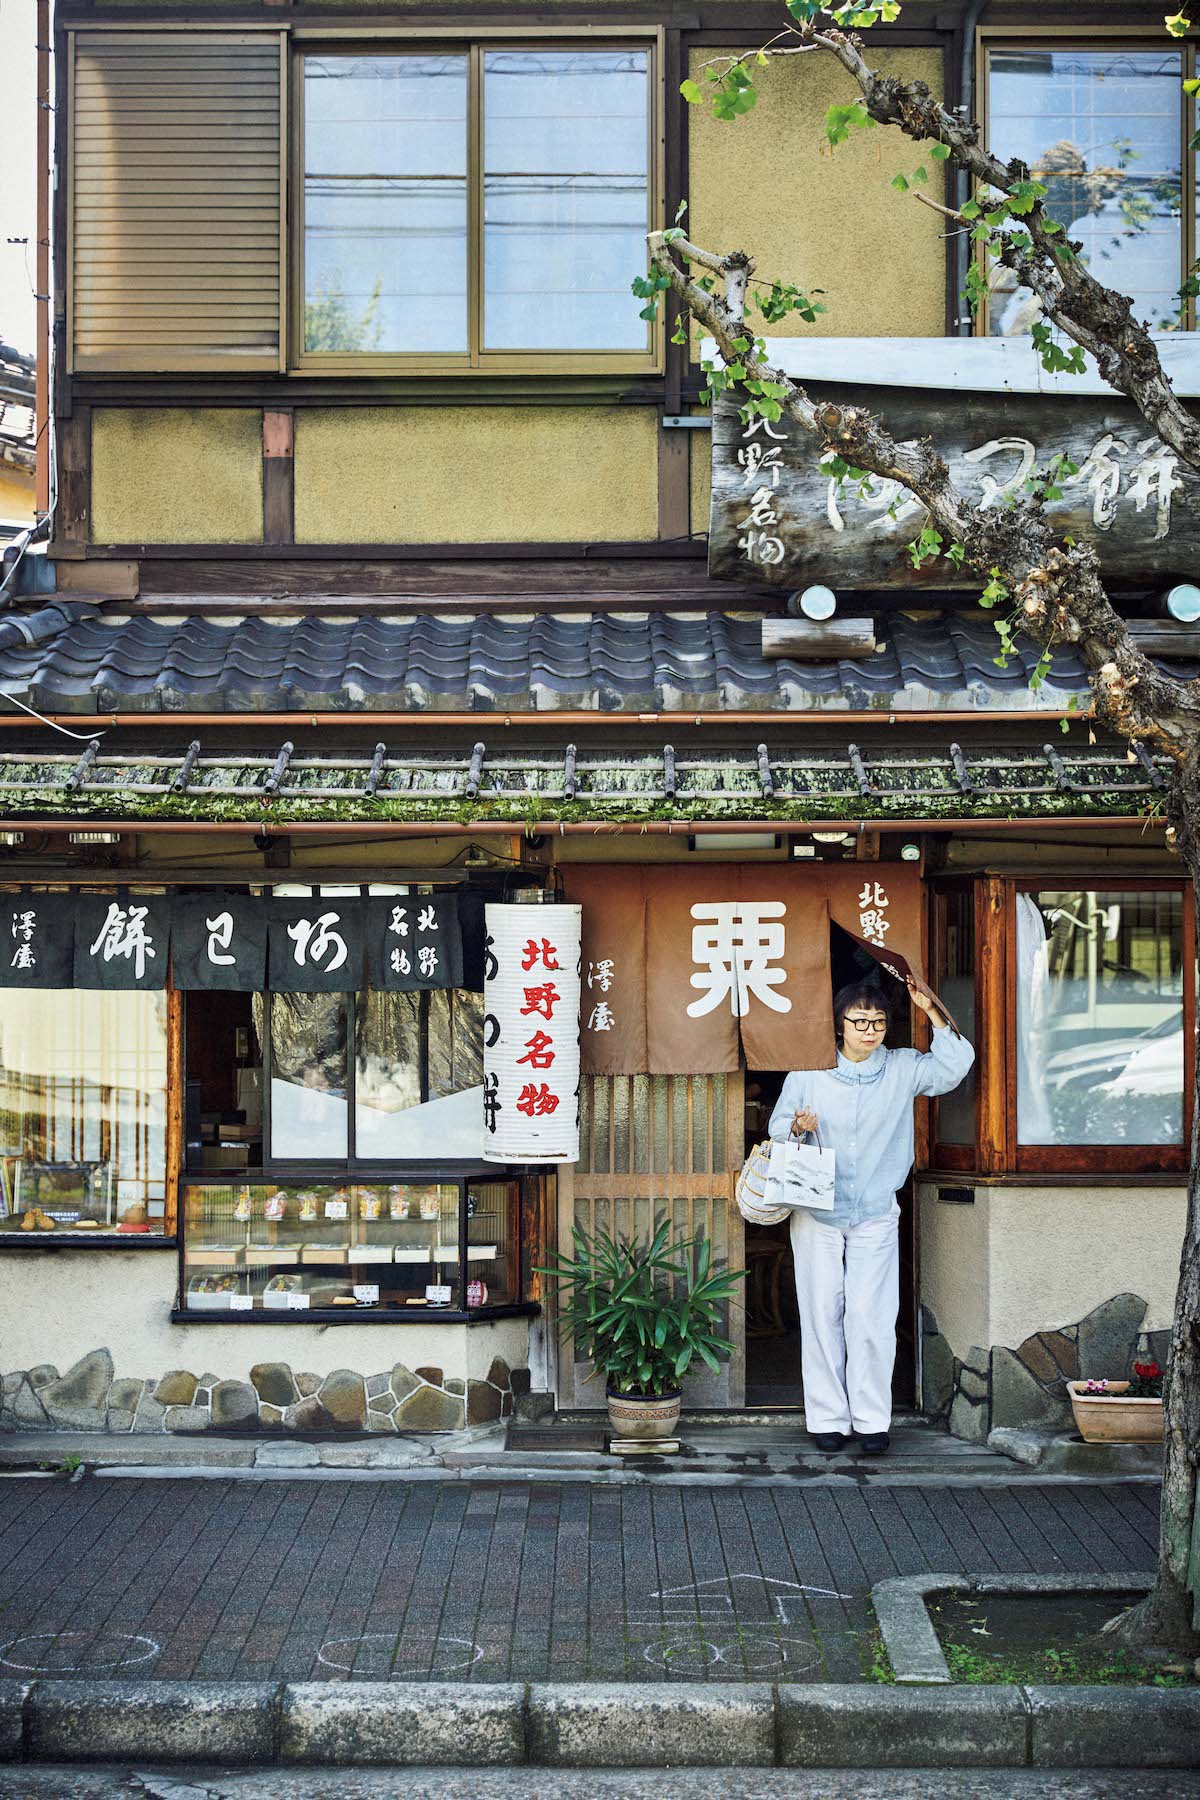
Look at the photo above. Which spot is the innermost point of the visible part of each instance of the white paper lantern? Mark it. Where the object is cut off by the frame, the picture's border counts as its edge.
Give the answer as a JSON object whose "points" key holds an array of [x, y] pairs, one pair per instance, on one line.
{"points": [[531, 1034]]}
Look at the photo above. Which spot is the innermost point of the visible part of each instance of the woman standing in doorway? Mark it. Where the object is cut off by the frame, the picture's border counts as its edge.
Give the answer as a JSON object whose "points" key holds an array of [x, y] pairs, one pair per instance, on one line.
{"points": [[847, 1260]]}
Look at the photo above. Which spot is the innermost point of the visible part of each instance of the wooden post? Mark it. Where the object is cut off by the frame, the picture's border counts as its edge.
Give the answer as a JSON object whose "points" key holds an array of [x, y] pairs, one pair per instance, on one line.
{"points": [[279, 504], [818, 640], [175, 1086], [994, 1103]]}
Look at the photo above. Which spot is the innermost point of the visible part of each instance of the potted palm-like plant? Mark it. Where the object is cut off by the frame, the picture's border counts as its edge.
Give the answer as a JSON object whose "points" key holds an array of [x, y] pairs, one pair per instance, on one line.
{"points": [[643, 1315]]}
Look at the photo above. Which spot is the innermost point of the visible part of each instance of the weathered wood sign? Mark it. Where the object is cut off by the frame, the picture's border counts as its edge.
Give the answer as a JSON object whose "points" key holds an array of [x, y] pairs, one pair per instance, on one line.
{"points": [[777, 519]]}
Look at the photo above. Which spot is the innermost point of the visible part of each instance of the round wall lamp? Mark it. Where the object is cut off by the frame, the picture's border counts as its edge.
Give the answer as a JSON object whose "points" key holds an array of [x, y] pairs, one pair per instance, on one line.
{"points": [[1183, 603], [910, 853]]}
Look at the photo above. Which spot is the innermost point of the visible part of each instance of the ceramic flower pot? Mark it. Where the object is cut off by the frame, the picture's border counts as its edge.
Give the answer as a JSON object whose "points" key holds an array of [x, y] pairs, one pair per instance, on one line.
{"points": [[644, 1416], [1113, 1418]]}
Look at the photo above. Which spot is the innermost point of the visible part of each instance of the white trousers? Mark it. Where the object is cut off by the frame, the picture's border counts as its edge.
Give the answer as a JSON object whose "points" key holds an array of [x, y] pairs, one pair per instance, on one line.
{"points": [[848, 1291]]}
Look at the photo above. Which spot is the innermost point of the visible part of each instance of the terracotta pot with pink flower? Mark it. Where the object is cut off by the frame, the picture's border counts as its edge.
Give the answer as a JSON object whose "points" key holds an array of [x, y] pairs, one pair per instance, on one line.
{"points": [[1120, 1412]]}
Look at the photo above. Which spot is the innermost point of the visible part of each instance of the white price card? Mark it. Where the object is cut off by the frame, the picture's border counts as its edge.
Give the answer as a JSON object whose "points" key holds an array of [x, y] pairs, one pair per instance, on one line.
{"points": [[438, 1296], [241, 1302], [297, 1302], [337, 1209], [277, 1299], [366, 1293]]}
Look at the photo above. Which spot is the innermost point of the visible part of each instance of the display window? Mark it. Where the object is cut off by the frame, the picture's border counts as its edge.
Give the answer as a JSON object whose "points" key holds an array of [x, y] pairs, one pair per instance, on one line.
{"points": [[426, 1243], [83, 1113], [1076, 999], [334, 1157]]}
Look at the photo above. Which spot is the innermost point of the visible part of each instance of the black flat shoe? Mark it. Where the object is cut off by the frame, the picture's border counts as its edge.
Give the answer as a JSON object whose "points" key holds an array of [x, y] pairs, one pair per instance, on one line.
{"points": [[830, 1441], [875, 1443]]}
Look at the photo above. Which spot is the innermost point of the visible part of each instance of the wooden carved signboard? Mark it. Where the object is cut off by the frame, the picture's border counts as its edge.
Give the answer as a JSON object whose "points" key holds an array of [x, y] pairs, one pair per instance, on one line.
{"points": [[777, 519]]}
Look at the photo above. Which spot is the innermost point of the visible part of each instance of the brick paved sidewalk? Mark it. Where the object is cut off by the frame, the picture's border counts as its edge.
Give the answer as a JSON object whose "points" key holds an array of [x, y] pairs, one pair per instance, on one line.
{"points": [[309, 1580]]}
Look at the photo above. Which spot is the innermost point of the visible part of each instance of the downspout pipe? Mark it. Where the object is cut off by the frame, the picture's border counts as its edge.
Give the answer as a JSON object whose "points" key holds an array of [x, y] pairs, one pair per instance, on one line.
{"points": [[966, 108]]}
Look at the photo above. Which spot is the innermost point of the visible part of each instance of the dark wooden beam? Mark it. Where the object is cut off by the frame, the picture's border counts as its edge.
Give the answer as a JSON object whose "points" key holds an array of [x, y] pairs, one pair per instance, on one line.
{"points": [[818, 640], [279, 506], [1160, 637]]}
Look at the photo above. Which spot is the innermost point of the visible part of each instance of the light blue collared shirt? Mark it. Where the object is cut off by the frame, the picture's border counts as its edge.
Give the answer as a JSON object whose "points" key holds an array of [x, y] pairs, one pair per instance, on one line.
{"points": [[866, 1115]]}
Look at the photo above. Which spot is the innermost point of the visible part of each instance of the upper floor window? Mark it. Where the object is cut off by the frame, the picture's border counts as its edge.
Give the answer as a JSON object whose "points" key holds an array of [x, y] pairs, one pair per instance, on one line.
{"points": [[482, 207], [1104, 127]]}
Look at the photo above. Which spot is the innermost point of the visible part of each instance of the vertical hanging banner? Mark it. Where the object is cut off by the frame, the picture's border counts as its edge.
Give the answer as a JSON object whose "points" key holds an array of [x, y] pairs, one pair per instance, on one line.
{"points": [[316, 945], [414, 942], [37, 940], [531, 996], [122, 940], [219, 941], [612, 1014]]}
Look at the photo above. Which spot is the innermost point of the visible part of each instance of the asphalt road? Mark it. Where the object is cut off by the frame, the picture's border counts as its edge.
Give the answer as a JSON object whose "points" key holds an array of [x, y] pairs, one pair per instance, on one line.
{"points": [[327, 1580]]}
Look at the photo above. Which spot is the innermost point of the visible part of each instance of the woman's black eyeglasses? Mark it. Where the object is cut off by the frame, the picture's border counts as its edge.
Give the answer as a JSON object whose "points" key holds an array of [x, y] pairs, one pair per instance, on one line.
{"points": [[866, 1024]]}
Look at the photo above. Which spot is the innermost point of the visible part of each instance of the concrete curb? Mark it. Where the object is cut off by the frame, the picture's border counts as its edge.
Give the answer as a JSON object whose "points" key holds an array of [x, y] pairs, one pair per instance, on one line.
{"points": [[584, 1725], [908, 1634]]}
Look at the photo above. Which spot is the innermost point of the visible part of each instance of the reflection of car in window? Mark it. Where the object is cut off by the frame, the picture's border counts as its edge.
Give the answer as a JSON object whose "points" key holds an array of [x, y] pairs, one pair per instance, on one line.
{"points": [[1156, 1067], [1108, 1064]]}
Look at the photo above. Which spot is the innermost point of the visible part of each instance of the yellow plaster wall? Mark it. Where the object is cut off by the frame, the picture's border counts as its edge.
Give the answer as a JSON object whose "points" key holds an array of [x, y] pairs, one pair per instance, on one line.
{"points": [[700, 479], [762, 183], [476, 474], [177, 475], [17, 491]]}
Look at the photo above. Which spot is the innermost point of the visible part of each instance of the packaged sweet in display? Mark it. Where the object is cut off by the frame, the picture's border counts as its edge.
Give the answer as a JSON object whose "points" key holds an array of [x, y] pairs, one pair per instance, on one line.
{"points": [[241, 1210], [477, 1293], [275, 1206], [398, 1203], [369, 1203], [308, 1207], [431, 1203]]}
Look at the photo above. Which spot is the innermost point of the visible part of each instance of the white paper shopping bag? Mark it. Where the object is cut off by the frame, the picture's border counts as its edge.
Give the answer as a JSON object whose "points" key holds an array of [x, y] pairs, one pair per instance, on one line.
{"points": [[804, 1174]]}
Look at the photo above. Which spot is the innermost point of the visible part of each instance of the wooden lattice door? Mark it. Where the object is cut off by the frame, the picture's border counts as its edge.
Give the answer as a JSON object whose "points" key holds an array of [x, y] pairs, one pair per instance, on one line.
{"points": [[655, 1147]]}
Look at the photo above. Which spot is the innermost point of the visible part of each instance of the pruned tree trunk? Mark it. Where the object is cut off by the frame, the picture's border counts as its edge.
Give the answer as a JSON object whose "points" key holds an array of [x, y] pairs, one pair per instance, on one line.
{"points": [[1168, 1618]]}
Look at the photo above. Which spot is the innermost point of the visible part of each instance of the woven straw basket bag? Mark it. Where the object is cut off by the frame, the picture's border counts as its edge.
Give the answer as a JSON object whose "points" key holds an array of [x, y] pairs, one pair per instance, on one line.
{"points": [[752, 1187]]}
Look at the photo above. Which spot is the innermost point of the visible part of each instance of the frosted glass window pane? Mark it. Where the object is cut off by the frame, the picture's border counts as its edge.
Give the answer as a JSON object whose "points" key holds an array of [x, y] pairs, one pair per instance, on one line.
{"points": [[309, 1077], [641, 1124], [419, 1092], [1100, 1017], [1102, 129], [620, 1106], [385, 203], [564, 198]]}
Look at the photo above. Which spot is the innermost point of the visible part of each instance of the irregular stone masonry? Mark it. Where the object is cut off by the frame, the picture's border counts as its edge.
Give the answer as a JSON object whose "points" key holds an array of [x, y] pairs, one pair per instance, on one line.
{"points": [[89, 1397], [1025, 1387]]}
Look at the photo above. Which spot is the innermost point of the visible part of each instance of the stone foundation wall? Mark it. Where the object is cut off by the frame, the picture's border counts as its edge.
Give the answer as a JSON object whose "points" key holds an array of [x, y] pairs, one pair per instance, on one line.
{"points": [[89, 1396], [1026, 1386]]}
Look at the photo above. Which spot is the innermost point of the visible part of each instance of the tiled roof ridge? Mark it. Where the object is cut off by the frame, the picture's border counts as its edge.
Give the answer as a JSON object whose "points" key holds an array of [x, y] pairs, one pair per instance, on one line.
{"points": [[73, 657]]}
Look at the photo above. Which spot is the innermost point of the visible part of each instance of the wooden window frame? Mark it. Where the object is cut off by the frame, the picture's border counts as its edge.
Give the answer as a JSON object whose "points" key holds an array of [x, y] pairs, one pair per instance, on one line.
{"points": [[475, 360], [1098, 1159], [996, 1150], [1102, 37]]}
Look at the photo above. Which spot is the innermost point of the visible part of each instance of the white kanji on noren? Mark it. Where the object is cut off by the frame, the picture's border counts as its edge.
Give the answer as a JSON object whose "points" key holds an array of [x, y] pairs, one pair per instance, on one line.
{"points": [[123, 934], [738, 941], [316, 940]]}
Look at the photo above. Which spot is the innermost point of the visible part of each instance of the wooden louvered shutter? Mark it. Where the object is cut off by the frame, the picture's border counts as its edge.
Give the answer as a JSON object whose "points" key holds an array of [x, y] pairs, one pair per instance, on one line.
{"points": [[176, 201]]}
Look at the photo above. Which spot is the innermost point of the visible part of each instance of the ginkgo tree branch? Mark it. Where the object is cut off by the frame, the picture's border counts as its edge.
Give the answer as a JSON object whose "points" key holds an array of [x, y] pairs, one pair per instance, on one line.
{"points": [[1056, 587], [1090, 314]]}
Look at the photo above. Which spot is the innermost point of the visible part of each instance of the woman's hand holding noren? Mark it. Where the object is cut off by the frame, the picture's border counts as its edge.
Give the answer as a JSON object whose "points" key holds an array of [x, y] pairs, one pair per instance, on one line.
{"points": [[805, 1120]]}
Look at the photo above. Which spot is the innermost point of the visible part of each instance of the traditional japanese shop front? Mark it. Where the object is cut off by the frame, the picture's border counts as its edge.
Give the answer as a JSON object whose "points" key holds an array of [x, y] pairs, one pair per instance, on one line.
{"points": [[247, 1127]]}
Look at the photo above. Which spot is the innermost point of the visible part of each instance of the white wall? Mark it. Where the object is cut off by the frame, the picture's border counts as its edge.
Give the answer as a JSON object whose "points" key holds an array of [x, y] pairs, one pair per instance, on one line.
{"points": [[57, 1307], [1026, 1259]]}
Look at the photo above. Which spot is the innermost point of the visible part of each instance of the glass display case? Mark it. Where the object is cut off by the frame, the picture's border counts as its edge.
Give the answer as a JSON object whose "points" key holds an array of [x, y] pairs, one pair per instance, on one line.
{"points": [[418, 1245]]}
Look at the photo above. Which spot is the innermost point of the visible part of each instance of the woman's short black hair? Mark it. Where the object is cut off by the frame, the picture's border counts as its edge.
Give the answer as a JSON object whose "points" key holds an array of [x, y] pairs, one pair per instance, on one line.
{"points": [[860, 993]]}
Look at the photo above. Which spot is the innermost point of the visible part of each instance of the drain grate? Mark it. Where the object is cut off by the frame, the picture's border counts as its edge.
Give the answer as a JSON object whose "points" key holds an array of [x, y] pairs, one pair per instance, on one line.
{"points": [[548, 1438]]}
